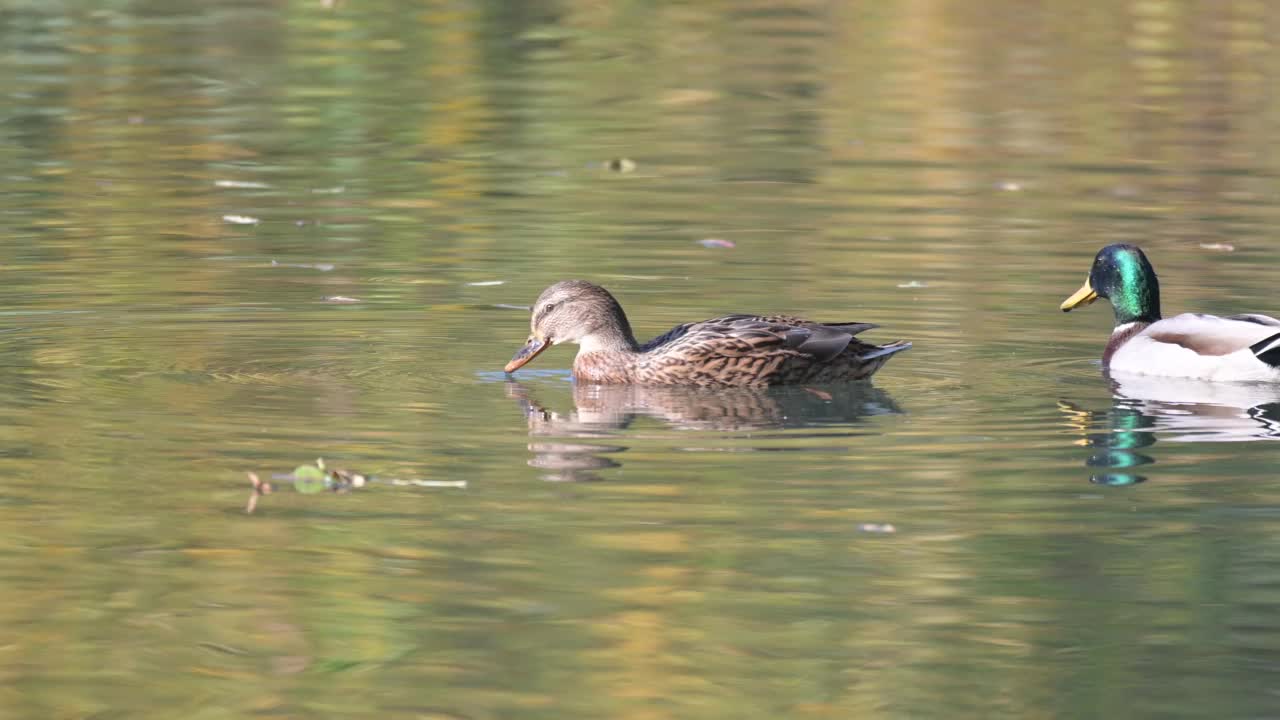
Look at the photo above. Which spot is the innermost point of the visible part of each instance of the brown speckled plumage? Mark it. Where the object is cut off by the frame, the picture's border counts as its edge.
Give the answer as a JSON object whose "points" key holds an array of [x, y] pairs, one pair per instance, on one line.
{"points": [[733, 350]]}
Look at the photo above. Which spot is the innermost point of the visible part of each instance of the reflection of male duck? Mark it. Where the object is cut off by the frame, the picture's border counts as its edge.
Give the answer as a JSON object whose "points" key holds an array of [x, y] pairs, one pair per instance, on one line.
{"points": [[1146, 408], [1115, 437], [1196, 410], [602, 411]]}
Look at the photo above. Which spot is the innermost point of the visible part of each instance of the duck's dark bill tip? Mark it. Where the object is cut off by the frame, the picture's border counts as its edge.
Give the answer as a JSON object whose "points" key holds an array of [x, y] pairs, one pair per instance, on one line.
{"points": [[526, 353]]}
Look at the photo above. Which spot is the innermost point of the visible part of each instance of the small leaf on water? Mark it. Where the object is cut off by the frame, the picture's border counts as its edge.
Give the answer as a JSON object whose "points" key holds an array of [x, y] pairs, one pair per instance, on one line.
{"points": [[259, 489], [308, 479]]}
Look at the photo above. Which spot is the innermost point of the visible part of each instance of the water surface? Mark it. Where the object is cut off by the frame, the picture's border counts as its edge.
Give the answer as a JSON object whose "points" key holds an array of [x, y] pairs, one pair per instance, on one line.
{"points": [[196, 192]]}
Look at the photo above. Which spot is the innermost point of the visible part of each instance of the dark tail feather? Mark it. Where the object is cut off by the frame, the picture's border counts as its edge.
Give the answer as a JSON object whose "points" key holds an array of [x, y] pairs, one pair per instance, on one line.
{"points": [[820, 341], [1268, 350], [852, 328]]}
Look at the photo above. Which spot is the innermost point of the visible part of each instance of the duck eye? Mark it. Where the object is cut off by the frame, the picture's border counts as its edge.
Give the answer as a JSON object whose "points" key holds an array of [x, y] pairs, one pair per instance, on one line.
{"points": [[548, 307]]}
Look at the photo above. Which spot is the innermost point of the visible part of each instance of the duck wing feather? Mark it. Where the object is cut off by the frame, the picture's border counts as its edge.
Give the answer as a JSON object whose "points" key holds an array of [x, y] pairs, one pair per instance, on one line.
{"points": [[1211, 334], [737, 335], [1255, 318]]}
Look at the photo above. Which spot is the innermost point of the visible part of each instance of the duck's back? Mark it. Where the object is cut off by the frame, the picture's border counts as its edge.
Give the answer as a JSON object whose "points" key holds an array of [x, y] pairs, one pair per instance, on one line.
{"points": [[750, 350]]}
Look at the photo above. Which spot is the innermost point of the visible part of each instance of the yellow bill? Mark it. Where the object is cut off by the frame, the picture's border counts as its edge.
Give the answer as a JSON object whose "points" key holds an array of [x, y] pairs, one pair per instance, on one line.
{"points": [[1083, 296]]}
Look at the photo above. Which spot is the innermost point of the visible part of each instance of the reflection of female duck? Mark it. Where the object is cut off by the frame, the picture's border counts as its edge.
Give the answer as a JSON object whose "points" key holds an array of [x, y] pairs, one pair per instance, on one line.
{"points": [[608, 407], [601, 411], [1191, 345]]}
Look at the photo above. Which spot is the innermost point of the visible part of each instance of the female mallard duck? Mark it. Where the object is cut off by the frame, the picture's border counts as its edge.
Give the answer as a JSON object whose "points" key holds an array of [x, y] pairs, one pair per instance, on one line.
{"points": [[734, 350], [1208, 347]]}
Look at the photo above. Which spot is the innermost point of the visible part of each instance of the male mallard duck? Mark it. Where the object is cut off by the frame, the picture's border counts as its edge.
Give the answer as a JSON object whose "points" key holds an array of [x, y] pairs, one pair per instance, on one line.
{"points": [[1208, 347], [734, 350]]}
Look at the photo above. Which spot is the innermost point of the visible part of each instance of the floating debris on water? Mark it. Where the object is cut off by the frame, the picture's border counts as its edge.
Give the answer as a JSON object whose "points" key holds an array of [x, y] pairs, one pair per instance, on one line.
{"points": [[259, 489], [340, 299], [487, 283], [322, 267], [346, 480], [330, 190], [313, 479], [1010, 186], [884, 528], [717, 243], [240, 220], [430, 483], [1219, 246], [621, 164], [688, 96], [224, 649], [913, 284], [241, 184]]}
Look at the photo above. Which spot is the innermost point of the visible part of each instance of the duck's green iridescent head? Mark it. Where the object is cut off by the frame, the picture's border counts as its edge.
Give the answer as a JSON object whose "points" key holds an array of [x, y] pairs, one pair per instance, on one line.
{"points": [[1122, 274]]}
